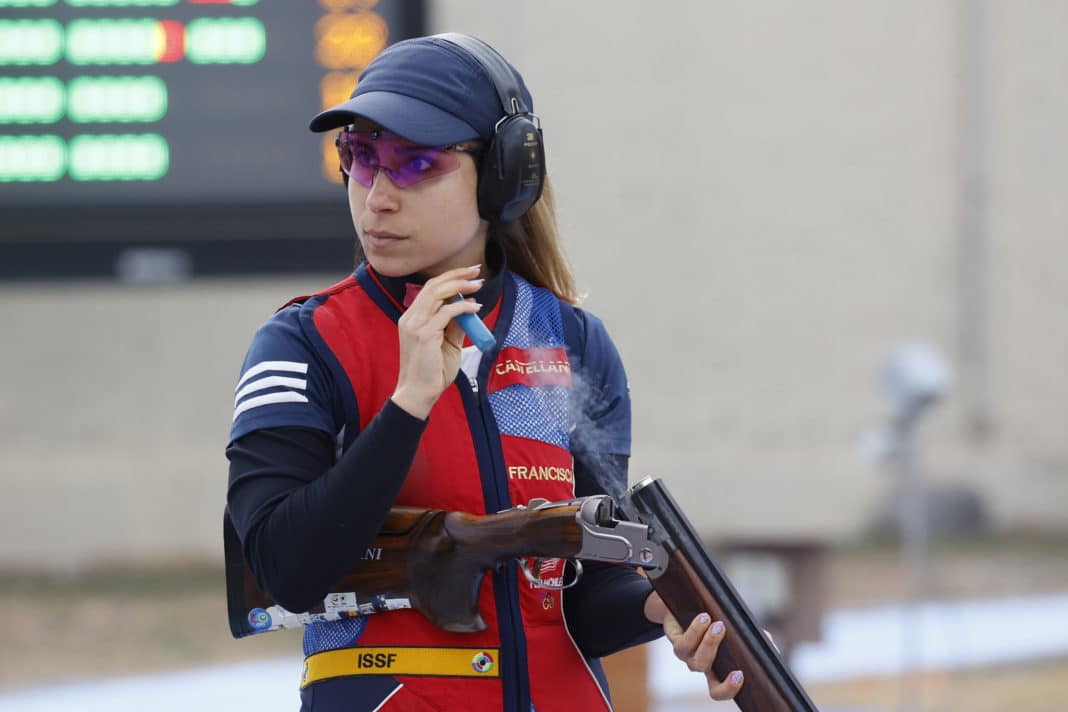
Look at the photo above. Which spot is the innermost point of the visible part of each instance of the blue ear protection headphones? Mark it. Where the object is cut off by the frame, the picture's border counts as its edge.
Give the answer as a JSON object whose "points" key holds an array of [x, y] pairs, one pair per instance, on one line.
{"points": [[512, 171]]}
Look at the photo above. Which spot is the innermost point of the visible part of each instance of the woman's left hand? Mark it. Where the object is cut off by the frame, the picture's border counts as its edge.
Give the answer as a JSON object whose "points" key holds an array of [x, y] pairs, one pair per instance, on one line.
{"points": [[696, 646]]}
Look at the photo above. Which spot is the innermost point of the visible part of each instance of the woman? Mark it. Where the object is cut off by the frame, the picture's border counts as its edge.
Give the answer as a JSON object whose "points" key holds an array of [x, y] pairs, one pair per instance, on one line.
{"points": [[366, 395]]}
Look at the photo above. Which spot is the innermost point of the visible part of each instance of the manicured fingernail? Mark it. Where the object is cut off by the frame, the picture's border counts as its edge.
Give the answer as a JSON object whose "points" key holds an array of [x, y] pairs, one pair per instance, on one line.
{"points": [[476, 282], [704, 618], [716, 629], [736, 677], [475, 267]]}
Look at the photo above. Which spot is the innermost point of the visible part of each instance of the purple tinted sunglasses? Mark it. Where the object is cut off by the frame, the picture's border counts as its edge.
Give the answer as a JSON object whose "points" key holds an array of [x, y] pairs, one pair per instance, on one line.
{"points": [[364, 153]]}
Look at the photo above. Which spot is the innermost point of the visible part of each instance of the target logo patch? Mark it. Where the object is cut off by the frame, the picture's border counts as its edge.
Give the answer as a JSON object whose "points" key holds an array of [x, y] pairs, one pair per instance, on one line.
{"points": [[259, 619], [482, 662]]}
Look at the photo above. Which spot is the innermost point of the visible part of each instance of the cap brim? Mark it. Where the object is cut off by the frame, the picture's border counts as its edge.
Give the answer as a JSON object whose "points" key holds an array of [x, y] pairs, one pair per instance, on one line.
{"points": [[409, 118]]}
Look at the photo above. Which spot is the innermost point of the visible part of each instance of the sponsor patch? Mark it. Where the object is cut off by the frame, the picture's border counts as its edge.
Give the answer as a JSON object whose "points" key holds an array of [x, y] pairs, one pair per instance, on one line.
{"points": [[529, 367], [541, 473]]}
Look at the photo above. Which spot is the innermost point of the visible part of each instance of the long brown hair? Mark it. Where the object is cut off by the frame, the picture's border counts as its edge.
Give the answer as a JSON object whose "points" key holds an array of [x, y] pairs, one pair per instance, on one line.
{"points": [[532, 247]]}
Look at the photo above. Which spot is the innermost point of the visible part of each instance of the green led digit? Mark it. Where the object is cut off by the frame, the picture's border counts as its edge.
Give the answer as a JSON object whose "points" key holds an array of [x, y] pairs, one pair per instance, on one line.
{"points": [[25, 159], [26, 3], [130, 41], [120, 99], [225, 40], [30, 100], [121, 3], [30, 42], [118, 157]]}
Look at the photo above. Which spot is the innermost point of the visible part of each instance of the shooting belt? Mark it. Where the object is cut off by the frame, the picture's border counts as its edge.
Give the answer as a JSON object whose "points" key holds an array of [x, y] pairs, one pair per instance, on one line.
{"points": [[396, 660]]}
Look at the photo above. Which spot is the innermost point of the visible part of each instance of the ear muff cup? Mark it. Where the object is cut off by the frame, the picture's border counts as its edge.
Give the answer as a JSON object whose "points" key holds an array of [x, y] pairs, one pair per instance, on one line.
{"points": [[512, 173]]}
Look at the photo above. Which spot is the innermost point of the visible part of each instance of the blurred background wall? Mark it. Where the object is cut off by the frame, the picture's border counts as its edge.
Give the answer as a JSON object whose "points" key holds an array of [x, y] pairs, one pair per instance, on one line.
{"points": [[761, 200]]}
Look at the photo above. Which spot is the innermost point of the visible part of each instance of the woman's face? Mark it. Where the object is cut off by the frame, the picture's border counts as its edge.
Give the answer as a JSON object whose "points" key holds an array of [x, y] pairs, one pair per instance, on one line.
{"points": [[426, 228]]}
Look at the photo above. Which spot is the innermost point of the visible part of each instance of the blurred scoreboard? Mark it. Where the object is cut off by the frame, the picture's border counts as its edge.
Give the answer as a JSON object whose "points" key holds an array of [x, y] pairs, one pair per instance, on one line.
{"points": [[115, 111]]}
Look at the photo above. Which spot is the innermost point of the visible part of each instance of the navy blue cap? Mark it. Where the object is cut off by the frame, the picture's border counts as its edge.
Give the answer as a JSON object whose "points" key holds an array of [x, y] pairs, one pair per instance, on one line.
{"points": [[427, 90]]}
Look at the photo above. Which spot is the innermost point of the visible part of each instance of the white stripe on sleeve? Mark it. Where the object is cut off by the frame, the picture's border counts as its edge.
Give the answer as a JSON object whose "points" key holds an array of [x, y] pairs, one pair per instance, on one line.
{"points": [[289, 366], [282, 397], [270, 382]]}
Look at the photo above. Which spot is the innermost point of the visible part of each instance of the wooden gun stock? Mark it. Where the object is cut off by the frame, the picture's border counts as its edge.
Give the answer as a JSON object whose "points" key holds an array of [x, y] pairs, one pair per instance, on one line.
{"points": [[426, 559], [692, 583]]}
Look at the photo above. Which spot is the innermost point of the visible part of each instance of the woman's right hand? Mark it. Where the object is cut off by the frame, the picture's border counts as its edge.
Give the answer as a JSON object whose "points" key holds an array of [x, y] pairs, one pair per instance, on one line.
{"points": [[430, 339]]}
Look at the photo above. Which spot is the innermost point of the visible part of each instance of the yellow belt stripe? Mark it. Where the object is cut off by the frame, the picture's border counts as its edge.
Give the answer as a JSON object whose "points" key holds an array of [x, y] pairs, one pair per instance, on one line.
{"points": [[442, 662]]}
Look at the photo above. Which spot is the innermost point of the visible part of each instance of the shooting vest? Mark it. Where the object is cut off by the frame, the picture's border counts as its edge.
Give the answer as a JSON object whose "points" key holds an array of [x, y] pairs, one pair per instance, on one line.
{"points": [[490, 444]]}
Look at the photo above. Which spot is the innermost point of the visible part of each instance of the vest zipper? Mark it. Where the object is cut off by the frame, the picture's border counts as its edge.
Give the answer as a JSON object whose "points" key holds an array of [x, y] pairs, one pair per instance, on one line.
{"points": [[513, 615]]}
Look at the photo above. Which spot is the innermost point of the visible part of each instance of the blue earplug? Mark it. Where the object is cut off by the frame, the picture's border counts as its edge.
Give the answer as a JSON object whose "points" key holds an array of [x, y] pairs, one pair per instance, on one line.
{"points": [[475, 329]]}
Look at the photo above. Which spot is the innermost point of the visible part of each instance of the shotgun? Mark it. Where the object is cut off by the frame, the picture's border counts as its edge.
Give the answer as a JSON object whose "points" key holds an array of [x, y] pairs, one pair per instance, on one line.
{"points": [[433, 561]]}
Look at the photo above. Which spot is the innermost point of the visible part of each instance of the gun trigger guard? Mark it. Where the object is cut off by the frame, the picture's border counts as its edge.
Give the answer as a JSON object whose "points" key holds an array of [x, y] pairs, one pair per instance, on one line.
{"points": [[536, 581]]}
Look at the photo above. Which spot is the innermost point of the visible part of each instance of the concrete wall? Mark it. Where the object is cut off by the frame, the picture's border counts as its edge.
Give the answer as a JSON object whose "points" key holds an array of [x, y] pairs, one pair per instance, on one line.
{"points": [[115, 413], [761, 201]]}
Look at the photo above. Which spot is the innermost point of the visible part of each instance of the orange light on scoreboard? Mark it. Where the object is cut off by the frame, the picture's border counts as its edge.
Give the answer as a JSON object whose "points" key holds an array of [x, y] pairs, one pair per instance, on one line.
{"points": [[348, 40], [336, 87]]}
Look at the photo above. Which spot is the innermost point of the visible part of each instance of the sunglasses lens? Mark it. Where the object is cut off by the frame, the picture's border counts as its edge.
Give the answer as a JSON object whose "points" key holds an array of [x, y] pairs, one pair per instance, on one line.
{"points": [[415, 164], [357, 160], [362, 154]]}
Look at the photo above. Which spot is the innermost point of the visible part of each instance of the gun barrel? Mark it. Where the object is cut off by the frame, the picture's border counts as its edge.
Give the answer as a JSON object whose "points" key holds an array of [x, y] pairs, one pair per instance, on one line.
{"points": [[692, 583]]}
